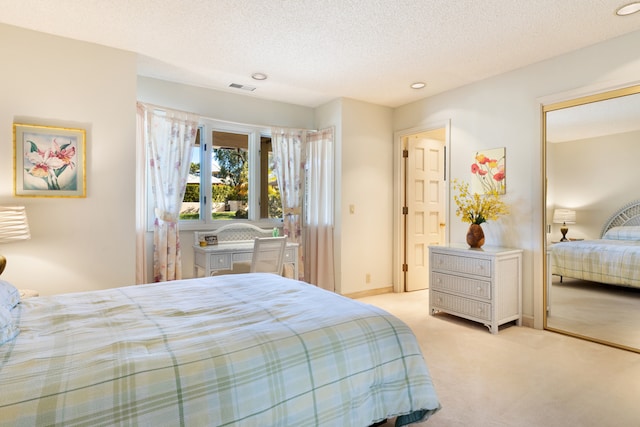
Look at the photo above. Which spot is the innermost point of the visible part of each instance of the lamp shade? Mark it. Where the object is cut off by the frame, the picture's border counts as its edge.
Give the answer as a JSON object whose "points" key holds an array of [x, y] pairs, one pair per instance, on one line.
{"points": [[13, 224], [564, 216]]}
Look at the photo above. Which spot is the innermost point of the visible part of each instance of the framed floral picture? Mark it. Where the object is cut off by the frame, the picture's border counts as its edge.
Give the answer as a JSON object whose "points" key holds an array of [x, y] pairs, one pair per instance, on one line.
{"points": [[489, 171], [49, 161]]}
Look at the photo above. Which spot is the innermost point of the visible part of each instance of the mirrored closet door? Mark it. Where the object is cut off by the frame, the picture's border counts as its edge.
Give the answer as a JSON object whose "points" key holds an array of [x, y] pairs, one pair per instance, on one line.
{"points": [[591, 171]]}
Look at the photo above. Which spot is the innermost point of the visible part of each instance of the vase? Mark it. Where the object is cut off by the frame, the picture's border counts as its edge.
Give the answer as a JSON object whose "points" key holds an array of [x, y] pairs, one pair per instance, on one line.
{"points": [[475, 236]]}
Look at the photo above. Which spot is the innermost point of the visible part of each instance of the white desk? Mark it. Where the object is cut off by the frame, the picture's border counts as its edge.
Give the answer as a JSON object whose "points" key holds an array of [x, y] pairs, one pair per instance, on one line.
{"points": [[211, 259]]}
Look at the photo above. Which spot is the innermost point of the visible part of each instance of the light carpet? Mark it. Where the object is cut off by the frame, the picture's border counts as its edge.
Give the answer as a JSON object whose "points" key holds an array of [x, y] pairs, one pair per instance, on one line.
{"points": [[604, 312], [519, 377]]}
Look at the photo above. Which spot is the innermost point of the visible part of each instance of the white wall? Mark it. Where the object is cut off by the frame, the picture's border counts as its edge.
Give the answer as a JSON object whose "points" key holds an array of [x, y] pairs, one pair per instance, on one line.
{"points": [[224, 105], [76, 244], [505, 111], [366, 235], [596, 177]]}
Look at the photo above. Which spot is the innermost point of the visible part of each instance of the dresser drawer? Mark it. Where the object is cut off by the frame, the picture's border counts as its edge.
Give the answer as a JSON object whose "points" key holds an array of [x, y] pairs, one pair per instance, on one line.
{"points": [[242, 257], [460, 285], [459, 264], [220, 261], [461, 305]]}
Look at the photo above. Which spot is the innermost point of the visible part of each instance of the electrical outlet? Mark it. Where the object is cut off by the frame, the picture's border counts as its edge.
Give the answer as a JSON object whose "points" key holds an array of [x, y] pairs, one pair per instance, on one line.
{"points": [[367, 278]]}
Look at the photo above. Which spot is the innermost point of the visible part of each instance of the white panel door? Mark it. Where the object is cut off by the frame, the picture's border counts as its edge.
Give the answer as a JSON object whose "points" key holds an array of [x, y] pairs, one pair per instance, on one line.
{"points": [[425, 204]]}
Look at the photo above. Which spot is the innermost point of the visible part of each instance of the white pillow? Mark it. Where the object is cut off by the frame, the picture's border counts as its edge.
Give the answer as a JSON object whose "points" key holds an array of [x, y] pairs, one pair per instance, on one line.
{"points": [[631, 232], [8, 329], [9, 295]]}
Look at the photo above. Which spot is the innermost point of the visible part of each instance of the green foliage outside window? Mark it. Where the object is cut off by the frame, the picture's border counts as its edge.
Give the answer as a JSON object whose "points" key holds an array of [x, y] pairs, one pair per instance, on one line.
{"points": [[275, 204], [219, 193], [192, 193]]}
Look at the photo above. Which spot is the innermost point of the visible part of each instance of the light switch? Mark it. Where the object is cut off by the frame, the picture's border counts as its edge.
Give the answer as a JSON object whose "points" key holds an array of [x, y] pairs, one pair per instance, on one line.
{"points": [[352, 209]]}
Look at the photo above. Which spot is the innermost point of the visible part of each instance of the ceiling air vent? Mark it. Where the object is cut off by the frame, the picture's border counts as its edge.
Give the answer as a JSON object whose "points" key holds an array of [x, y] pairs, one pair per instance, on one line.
{"points": [[243, 87]]}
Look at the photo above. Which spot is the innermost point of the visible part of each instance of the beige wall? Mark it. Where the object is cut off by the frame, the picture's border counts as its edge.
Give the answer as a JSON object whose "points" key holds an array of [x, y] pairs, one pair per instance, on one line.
{"points": [[366, 236], [76, 244], [596, 177]]}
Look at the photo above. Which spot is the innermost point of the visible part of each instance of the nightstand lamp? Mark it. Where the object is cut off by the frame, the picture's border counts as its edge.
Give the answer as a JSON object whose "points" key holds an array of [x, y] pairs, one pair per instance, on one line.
{"points": [[13, 227], [564, 217]]}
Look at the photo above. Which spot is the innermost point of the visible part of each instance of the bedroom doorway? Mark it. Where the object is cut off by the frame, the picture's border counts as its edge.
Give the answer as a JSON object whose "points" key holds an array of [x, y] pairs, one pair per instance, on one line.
{"points": [[422, 203]]}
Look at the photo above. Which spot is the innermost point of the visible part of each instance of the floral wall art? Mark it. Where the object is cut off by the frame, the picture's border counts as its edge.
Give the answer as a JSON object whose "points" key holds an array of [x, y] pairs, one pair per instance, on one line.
{"points": [[49, 161], [489, 173]]}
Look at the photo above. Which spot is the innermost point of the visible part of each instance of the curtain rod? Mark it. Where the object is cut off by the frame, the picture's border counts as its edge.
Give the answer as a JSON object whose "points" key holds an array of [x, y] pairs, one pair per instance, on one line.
{"points": [[160, 107]]}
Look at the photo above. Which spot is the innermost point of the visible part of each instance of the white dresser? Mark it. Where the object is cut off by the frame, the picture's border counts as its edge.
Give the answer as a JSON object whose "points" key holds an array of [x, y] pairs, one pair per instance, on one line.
{"points": [[483, 285]]}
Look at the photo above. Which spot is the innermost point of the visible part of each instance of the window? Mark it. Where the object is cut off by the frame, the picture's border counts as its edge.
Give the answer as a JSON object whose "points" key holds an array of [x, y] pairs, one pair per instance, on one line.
{"points": [[236, 164]]}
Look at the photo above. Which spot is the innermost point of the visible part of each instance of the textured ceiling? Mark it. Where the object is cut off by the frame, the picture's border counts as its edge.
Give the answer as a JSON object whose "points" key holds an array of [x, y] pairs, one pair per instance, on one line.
{"points": [[317, 50]]}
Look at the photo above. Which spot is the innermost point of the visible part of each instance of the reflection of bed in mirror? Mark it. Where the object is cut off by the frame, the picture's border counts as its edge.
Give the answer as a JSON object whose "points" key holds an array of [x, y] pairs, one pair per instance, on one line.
{"points": [[614, 259]]}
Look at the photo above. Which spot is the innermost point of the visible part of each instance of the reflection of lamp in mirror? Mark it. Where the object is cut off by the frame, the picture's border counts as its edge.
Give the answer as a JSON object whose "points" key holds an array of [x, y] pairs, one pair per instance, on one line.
{"points": [[13, 227], [564, 217]]}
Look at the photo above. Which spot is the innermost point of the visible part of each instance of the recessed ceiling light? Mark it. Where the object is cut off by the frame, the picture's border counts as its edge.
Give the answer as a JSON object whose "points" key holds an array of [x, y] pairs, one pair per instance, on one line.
{"points": [[259, 76], [418, 85], [628, 9]]}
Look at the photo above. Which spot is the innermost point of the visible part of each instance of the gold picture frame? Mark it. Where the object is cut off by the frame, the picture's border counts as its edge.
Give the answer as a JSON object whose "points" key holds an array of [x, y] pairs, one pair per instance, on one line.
{"points": [[49, 161]]}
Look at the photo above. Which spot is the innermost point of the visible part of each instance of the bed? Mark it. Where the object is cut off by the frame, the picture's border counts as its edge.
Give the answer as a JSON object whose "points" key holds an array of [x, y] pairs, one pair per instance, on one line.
{"points": [[234, 350], [613, 259]]}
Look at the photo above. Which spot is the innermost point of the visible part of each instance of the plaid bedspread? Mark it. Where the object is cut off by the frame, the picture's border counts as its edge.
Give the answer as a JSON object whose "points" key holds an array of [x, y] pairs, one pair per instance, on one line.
{"points": [[236, 350], [615, 262]]}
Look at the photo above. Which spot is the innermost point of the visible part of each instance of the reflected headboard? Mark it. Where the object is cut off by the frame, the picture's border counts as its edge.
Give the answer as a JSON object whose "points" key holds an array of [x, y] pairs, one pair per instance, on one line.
{"points": [[627, 215]]}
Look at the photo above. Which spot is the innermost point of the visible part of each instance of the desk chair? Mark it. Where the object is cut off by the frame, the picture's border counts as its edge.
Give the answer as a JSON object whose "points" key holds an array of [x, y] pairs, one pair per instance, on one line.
{"points": [[268, 255]]}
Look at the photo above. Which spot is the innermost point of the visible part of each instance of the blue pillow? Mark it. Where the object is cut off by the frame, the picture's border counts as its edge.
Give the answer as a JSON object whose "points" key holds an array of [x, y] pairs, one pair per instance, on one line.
{"points": [[8, 329], [9, 295], [630, 232]]}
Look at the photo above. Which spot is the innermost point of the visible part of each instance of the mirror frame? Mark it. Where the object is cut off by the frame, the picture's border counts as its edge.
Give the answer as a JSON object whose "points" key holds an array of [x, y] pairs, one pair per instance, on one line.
{"points": [[588, 99]]}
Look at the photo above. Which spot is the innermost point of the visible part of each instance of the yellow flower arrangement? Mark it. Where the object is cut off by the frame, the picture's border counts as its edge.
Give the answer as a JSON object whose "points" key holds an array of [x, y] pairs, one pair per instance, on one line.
{"points": [[478, 208]]}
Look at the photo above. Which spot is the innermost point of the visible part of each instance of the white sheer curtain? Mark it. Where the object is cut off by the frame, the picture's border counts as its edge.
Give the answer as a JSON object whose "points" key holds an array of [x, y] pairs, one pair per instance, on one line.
{"points": [[304, 166], [289, 149], [319, 209], [169, 136]]}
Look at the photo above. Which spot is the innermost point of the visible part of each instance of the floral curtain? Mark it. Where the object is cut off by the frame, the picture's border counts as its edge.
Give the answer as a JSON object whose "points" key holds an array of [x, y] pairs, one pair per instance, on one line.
{"points": [[169, 136], [319, 209], [289, 149]]}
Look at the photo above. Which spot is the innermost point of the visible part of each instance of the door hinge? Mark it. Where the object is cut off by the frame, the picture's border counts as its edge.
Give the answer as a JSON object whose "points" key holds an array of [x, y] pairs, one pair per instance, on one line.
{"points": [[405, 267], [405, 153], [405, 210]]}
